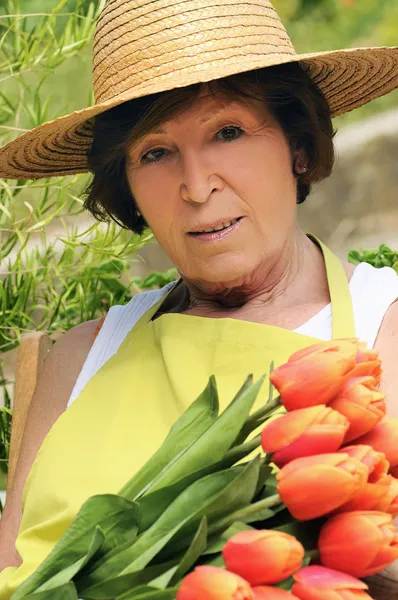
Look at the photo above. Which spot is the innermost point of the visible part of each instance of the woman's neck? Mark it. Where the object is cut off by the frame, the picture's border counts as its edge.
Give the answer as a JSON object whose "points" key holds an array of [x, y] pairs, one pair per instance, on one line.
{"points": [[292, 294], [280, 282]]}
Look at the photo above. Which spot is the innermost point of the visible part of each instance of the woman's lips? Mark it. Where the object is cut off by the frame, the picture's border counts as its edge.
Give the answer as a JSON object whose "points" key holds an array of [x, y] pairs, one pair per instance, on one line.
{"points": [[215, 236]]}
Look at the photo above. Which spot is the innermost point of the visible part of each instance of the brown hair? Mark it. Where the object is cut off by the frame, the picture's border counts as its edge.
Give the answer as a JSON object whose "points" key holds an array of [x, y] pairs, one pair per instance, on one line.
{"points": [[291, 95]]}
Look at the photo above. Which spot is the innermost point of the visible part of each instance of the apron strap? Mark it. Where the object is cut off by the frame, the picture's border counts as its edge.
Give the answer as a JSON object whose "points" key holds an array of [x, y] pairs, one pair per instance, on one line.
{"points": [[343, 323]]}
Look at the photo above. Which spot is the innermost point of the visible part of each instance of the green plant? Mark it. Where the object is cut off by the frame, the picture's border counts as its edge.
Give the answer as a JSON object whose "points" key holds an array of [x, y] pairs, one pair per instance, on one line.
{"points": [[382, 257]]}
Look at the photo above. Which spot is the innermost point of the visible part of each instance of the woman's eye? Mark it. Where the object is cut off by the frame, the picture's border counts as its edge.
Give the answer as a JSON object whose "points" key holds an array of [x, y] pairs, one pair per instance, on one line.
{"points": [[231, 128], [145, 158]]}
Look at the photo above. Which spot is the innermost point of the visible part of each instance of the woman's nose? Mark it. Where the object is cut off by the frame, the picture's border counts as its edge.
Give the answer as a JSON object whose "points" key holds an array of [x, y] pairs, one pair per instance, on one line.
{"points": [[198, 180]]}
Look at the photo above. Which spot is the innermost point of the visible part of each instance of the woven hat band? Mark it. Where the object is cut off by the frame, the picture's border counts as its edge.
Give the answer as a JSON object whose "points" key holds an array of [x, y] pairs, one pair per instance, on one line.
{"points": [[137, 41]]}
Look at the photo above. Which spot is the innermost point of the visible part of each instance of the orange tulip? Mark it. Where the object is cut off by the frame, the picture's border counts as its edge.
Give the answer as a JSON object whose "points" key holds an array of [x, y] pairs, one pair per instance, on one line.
{"points": [[265, 592], [304, 432], [362, 403], [375, 461], [389, 502], [383, 438], [394, 471], [367, 362], [213, 583], [371, 497], [315, 374], [376, 489], [361, 543], [313, 486], [263, 556], [319, 583]]}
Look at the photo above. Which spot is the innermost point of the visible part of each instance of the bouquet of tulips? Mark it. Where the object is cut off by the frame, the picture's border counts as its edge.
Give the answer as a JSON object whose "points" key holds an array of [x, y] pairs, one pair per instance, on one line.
{"points": [[204, 519]]}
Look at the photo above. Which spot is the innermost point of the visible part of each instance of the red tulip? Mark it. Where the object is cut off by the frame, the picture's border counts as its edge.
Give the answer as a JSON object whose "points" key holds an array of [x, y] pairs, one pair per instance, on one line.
{"points": [[315, 374], [263, 556], [383, 438], [389, 502], [376, 489], [304, 432], [319, 583], [213, 583], [266, 592], [362, 403], [361, 543], [314, 486]]}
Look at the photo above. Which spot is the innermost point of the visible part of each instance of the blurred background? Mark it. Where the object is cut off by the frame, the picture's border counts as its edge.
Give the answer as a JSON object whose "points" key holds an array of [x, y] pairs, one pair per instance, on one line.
{"points": [[58, 267]]}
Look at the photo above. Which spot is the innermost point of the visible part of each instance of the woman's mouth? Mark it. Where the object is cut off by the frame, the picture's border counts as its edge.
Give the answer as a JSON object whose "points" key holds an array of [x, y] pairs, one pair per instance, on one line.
{"points": [[217, 233]]}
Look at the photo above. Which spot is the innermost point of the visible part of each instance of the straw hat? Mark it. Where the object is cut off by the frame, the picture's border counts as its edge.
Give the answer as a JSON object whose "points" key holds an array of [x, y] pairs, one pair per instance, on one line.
{"points": [[144, 47]]}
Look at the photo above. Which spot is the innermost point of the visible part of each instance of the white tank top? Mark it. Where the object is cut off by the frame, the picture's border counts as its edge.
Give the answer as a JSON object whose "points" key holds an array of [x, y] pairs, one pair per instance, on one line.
{"points": [[372, 290]]}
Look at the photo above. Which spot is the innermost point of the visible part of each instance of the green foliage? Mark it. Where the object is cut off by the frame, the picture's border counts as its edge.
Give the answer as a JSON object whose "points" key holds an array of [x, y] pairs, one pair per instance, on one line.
{"points": [[383, 257]]}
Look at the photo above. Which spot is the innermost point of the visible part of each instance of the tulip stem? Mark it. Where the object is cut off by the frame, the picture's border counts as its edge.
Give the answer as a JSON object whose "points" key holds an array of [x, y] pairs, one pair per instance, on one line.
{"points": [[312, 554], [243, 513], [257, 418]]}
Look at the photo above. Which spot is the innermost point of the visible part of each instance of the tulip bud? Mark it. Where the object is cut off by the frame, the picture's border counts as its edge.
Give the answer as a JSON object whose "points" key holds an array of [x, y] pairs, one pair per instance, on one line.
{"points": [[383, 438], [389, 502], [265, 592], [362, 403], [263, 556], [315, 374], [213, 583], [375, 461], [304, 432], [376, 488], [361, 542], [367, 363], [319, 583], [313, 486]]}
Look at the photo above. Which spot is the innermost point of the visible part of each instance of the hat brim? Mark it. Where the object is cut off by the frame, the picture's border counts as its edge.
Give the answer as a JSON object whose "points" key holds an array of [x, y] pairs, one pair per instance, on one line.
{"points": [[348, 78]]}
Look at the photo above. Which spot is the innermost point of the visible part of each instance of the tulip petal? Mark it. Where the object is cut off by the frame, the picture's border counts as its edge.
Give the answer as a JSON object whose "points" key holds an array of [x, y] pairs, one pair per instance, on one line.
{"points": [[263, 556], [319, 439], [383, 438], [213, 583], [287, 428], [313, 486], [323, 577], [357, 542]]}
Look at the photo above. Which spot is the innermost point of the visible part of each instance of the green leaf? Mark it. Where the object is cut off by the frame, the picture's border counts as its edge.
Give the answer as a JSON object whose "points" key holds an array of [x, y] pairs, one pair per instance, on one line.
{"points": [[212, 445], [65, 592], [65, 575], [154, 504], [119, 585], [236, 496], [195, 550], [148, 593], [193, 422], [213, 496], [75, 545]]}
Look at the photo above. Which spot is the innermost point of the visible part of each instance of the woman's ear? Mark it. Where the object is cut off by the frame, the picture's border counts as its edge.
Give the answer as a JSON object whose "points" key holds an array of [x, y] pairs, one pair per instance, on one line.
{"points": [[300, 163]]}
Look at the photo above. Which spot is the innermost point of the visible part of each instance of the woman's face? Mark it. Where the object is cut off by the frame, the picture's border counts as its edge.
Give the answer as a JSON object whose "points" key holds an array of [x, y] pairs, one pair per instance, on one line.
{"points": [[219, 161]]}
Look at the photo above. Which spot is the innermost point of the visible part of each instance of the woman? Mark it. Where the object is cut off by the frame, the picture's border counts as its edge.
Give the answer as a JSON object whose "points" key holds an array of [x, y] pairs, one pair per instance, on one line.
{"points": [[209, 129]]}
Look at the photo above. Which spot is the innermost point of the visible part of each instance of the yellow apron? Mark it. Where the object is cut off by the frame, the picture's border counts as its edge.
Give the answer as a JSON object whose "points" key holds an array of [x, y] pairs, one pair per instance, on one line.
{"points": [[126, 410]]}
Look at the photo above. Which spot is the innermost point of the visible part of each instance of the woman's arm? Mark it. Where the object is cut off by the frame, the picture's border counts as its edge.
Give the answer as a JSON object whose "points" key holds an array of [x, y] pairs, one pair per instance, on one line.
{"points": [[49, 401]]}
